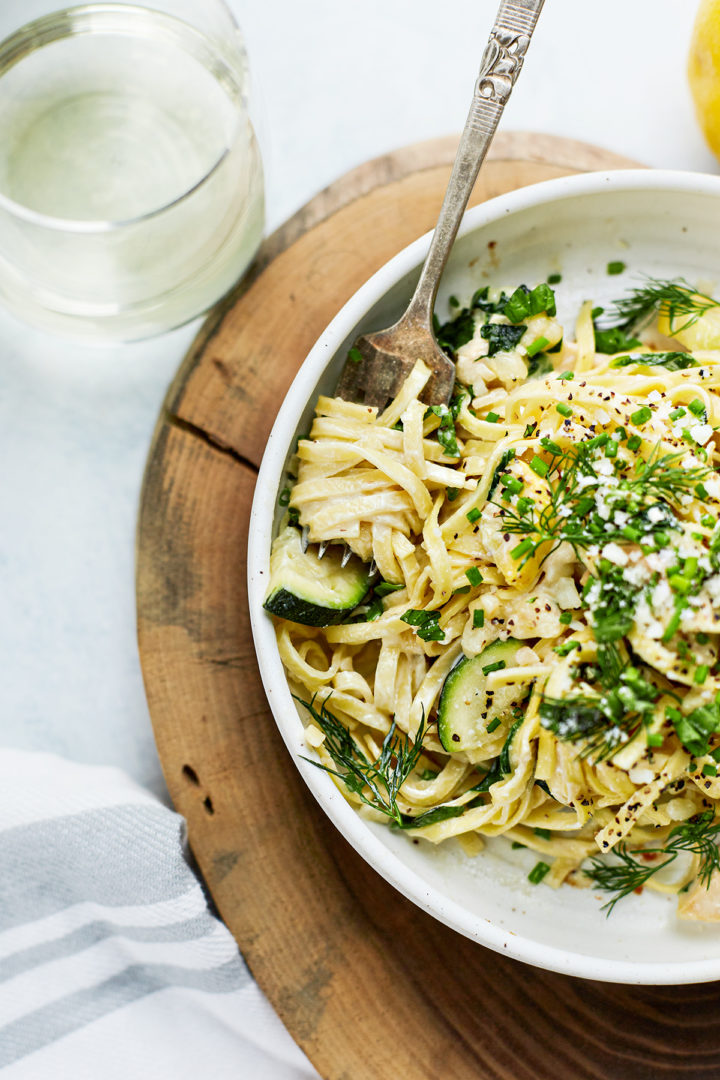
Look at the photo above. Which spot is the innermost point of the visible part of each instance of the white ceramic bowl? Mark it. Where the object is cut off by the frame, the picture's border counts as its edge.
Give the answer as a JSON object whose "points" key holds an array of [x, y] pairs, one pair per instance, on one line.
{"points": [[658, 223]]}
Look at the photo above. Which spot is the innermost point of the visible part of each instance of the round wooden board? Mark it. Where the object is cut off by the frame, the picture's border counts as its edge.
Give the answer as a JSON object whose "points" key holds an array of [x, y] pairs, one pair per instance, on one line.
{"points": [[367, 984]]}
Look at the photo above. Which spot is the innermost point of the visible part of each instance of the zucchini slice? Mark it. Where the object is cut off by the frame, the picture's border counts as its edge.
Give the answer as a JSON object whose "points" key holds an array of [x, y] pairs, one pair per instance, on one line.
{"points": [[466, 709], [309, 590]]}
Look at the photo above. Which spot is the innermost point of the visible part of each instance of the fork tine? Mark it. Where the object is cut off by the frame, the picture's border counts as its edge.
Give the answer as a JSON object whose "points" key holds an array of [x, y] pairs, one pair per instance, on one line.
{"points": [[346, 556], [322, 548], [304, 539]]}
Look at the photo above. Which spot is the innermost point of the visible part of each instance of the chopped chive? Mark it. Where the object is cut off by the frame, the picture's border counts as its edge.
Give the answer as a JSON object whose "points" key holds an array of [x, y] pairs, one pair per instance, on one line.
{"points": [[680, 584], [474, 576], [493, 725], [641, 415], [554, 279], [700, 674], [544, 834], [566, 617], [697, 407], [702, 639], [709, 770], [598, 440], [701, 490], [677, 413], [671, 627], [611, 448], [497, 666], [631, 533], [615, 267], [492, 418], [478, 619], [566, 648], [473, 515], [538, 466], [620, 434], [284, 498], [524, 504], [453, 301], [514, 485], [452, 494], [537, 346], [661, 539], [715, 753], [634, 442], [515, 844], [567, 376], [563, 409], [708, 521], [654, 738], [522, 548], [355, 356], [538, 872]]}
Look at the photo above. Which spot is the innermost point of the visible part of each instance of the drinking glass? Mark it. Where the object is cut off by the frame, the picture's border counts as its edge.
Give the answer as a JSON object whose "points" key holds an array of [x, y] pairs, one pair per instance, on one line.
{"points": [[131, 182]]}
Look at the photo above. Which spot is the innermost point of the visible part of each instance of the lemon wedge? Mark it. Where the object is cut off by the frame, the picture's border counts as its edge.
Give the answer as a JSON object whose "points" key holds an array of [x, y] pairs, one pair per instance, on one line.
{"points": [[703, 333], [704, 71]]}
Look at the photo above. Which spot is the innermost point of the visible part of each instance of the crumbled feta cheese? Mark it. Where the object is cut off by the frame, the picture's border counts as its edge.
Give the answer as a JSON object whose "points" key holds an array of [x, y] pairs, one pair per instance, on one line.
{"points": [[615, 554], [701, 433], [654, 397], [655, 515]]}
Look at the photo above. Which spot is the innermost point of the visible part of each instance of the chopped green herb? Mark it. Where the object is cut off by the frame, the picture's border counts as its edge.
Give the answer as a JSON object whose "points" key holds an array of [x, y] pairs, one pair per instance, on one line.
{"points": [[493, 725], [386, 587], [700, 674], [478, 619], [473, 514], [563, 409], [500, 337], [453, 301], [524, 303], [565, 618], [567, 376], [677, 413], [615, 267], [611, 448], [538, 872], [697, 407], [654, 739], [446, 432], [539, 466], [641, 415], [452, 494], [695, 729], [544, 834], [284, 497], [709, 770], [474, 576], [537, 346], [425, 623], [355, 356], [634, 442], [492, 418], [672, 361], [522, 548], [497, 666], [554, 279]]}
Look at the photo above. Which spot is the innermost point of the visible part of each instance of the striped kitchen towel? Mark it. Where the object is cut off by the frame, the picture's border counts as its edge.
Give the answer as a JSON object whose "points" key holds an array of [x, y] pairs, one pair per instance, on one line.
{"points": [[111, 965]]}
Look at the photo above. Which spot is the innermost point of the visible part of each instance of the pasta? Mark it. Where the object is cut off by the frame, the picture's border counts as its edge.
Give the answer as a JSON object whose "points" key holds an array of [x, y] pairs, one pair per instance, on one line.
{"points": [[528, 642]]}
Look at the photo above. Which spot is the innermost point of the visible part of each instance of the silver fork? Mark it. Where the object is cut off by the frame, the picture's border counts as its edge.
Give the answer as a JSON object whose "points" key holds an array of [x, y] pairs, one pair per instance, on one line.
{"points": [[386, 357]]}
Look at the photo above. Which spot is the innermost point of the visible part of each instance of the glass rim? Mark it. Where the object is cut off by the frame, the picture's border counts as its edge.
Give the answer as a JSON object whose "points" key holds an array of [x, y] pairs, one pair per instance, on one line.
{"points": [[75, 225]]}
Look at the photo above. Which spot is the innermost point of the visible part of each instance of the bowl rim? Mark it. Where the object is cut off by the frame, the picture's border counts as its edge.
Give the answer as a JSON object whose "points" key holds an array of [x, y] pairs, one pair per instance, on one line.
{"points": [[346, 819]]}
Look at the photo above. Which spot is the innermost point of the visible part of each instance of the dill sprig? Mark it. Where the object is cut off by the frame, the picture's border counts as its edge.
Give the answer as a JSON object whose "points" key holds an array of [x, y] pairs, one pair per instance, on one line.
{"points": [[698, 836], [381, 778], [571, 515], [675, 299], [660, 478]]}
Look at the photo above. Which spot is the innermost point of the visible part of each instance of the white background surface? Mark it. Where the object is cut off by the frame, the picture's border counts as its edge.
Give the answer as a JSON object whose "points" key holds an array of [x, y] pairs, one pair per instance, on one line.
{"points": [[339, 82]]}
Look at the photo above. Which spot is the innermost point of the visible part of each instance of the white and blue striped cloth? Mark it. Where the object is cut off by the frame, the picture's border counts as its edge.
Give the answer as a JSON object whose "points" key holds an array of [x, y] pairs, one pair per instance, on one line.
{"points": [[112, 967]]}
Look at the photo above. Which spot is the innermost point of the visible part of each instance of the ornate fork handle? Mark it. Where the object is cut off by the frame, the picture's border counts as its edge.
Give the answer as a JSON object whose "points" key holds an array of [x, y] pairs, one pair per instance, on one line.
{"points": [[501, 64]]}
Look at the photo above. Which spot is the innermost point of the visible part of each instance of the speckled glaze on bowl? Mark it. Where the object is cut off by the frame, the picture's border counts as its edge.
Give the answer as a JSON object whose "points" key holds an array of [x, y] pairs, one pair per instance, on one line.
{"points": [[659, 223]]}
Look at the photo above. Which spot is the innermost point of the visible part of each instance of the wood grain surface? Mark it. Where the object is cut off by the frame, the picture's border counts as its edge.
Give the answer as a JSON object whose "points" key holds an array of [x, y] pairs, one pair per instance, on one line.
{"points": [[367, 984]]}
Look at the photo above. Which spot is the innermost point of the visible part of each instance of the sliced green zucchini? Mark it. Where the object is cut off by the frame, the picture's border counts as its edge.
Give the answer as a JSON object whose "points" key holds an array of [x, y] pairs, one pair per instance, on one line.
{"points": [[309, 590], [466, 709]]}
